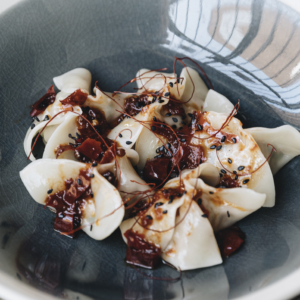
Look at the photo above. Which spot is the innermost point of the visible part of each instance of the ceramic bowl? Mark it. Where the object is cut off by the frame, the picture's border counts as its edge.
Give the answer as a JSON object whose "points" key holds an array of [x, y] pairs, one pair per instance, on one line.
{"points": [[249, 50]]}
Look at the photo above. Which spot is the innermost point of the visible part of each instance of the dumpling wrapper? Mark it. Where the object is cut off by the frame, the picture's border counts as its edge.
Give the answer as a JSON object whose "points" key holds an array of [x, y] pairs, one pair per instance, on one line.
{"points": [[131, 128], [154, 81], [225, 206], [31, 133], [216, 102], [193, 244], [243, 153], [68, 83], [106, 104], [78, 78], [197, 99], [160, 239], [61, 136], [42, 175], [285, 139]]}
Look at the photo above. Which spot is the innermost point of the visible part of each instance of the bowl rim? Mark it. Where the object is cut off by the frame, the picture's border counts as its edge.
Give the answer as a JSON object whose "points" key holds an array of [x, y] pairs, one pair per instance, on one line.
{"points": [[287, 287]]}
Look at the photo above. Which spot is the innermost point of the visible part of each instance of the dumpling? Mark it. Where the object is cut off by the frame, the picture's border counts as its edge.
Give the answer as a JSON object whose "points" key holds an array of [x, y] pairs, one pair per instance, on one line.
{"points": [[216, 102], [285, 139], [193, 244], [106, 104], [131, 129], [172, 239], [182, 90], [78, 78], [69, 82], [231, 149], [128, 180], [195, 96], [49, 177]]}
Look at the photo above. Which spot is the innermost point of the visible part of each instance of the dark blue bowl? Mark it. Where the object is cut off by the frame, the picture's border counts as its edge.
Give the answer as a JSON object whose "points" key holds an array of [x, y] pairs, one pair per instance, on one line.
{"points": [[250, 51]]}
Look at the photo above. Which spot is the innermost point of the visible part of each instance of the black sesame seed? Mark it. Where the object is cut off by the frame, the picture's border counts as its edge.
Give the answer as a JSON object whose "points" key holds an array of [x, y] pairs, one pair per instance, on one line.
{"points": [[156, 93], [221, 175], [175, 120], [120, 135], [211, 193], [157, 150], [137, 105], [78, 135], [223, 139], [161, 148], [32, 126], [162, 126], [178, 195], [223, 171], [236, 177], [219, 147], [160, 101], [178, 80], [94, 164], [171, 84], [149, 217], [200, 127], [213, 147], [240, 168], [167, 94], [204, 215], [234, 172], [92, 195], [153, 128], [180, 128], [158, 204], [171, 197], [154, 99], [234, 140], [79, 181], [158, 156], [46, 118], [228, 214], [50, 191], [183, 123], [71, 144], [184, 192], [174, 126], [191, 115], [183, 140], [128, 142], [169, 145], [168, 114], [165, 211], [60, 215], [246, 181], [154, 119], [199, 201], [229, 160], [92, 175], [91, 228]]}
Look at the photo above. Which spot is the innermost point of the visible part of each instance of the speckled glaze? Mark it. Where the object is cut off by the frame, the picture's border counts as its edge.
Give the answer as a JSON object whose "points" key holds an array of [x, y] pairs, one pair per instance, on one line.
{"points": [[250, 51]]}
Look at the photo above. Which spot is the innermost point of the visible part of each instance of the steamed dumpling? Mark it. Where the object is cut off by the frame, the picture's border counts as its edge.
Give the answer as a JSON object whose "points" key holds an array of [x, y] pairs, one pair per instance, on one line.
{"points": [[49, 174], [67, 83], [285, 139]]}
